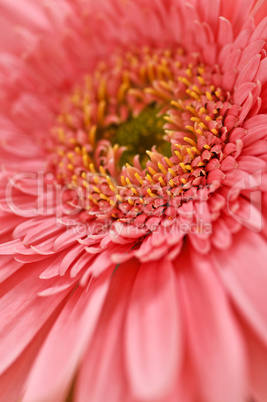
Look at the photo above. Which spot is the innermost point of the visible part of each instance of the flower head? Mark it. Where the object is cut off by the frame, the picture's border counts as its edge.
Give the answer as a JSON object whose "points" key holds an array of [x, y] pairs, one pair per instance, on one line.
{"points": [[133, 201]]}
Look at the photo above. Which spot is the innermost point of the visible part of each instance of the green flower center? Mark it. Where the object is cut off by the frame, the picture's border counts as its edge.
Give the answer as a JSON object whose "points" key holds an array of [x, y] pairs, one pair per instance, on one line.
{"points": [[139, 134]]}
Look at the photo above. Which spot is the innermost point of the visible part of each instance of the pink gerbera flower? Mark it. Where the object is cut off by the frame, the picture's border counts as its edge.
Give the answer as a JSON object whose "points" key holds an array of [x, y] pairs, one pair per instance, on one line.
{"points": [[133, 147]]}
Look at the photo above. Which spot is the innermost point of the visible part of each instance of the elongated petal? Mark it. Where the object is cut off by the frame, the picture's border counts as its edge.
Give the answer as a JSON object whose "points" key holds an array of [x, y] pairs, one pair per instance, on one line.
{"points": [[153, 334], [214, 340]]}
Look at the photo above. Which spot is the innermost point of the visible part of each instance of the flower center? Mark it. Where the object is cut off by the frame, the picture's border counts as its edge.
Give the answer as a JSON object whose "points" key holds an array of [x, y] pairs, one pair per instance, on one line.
{"points": [[143, 134], [139, 134]]}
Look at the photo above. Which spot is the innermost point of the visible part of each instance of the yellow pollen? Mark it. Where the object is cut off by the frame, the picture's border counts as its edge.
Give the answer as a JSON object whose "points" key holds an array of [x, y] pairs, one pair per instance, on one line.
{"points": [[209, 96], [183, 181], [207, 146], [171, 183], [86, 184], [122, 91], [169, 163], [177, 153], [189, 72], [108, 180], [192, 110], [130, 201], [172, 172], [123, 182], [152, 171], [183, 167], [139, 179], [190, 153], [101, 111], [162, 182], [169, 119], [96, 190], [208, 118], [193, 94], [202, 125], [179, 146], [165, 85], [184, 81], [202, 110], [196, 89], [70, 166], [214, 131], [195, 150], [136, 93], [197, 119], [198, 131], [134, 191], [201, 164], [119, 198], [162, 168], [113, 204], [201, 70], [189, 167], [150, 193], [201, 80], [92, 168], [92, 135], [149, 178], [77, 149], [102, 170], [190, 128], [163, 70], [91, 198], [116, 147], [190, 141], [128, 181], [156, 93], [177, 104]]}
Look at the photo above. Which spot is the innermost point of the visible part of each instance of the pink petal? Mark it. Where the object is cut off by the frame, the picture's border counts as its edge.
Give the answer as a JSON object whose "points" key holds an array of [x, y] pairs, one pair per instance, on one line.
{"points": [[23, 311], [249, 71], [12, 381], [8, 267], [215, 346], [225, 34], [262, 72], [153, 338], [244, 273], [102, 375], [54, 369], [257, 352]]}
